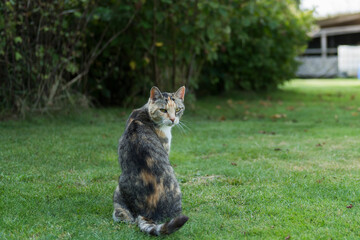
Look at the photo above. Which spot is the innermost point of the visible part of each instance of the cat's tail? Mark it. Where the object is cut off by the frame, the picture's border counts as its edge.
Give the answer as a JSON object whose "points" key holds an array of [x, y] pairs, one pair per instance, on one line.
{"points": [[148, 226]]}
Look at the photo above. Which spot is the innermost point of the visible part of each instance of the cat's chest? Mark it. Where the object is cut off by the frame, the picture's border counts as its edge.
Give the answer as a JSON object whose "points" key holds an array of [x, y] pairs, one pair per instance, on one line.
{"points": [[164, 134]]}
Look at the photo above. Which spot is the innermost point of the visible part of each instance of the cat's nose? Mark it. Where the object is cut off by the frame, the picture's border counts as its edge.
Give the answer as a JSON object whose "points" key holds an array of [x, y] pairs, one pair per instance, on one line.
{"points": [[172, 119]]}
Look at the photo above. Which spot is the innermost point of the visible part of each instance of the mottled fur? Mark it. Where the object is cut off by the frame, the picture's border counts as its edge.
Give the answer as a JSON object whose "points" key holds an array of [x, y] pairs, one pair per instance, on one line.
{"points": [[148, 192]]}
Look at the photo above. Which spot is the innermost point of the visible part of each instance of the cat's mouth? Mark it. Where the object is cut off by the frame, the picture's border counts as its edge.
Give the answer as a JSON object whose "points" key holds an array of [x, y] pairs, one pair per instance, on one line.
{"points": [[170, 124]]}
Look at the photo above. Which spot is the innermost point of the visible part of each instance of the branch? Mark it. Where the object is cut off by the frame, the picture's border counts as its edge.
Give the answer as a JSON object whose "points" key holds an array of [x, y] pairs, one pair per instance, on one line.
{"points": [[154, 62], [117, 34], [96, 53]]}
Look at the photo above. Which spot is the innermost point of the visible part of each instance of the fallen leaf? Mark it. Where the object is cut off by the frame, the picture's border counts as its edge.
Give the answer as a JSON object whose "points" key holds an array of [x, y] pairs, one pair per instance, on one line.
{"points": [[275, 116], [278, 116], [350, 206], [305, 130], [355, 114], [319, 180], [218, 107], [288, 237], [270, 133], [265, 103], [352, 97], [234, 164], [222, 118], [277, 149], [230, 101], [290, 108]]}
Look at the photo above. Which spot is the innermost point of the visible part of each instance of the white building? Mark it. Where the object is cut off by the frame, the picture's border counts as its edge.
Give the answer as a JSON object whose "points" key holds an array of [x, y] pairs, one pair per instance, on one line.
{"points": [[334, 48]]}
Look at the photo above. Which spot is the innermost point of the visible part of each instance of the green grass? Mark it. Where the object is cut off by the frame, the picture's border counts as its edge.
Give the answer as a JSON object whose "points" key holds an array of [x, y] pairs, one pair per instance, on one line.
{"points": [[251, 167]]}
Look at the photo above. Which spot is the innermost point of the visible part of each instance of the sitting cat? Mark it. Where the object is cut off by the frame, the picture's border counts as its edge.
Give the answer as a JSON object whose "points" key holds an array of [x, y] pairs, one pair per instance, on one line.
{"points": [[148, 192]]}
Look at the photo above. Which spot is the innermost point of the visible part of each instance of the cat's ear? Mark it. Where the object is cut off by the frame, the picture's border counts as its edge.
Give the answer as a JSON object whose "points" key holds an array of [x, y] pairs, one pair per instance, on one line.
{"points": [[155, 93], [180, 93]]}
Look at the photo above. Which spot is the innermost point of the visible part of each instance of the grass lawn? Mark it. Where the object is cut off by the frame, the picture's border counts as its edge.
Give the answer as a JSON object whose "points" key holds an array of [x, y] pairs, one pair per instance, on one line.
{"points": [[285, 165]]}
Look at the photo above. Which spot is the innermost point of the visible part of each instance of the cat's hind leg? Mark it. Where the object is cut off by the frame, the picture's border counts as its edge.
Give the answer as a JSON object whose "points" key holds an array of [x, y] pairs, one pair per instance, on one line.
{"points": [[121, 212]]}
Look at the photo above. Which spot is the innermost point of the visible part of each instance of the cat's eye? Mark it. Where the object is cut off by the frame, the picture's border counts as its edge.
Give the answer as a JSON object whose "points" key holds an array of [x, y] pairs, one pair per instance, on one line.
{"points": [[163, 110], [177, 109]]}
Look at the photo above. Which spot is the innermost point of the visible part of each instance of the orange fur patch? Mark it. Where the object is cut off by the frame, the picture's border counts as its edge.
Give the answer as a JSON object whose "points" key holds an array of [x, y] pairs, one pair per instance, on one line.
{"points": [[150, 161], [171, 103], [138, 122], [153, 198], [160, 133]]}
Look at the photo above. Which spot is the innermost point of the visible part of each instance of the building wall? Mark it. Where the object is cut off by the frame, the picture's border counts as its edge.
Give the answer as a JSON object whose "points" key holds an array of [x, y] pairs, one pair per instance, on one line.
{"points": [[317, 67], [349, 60]]}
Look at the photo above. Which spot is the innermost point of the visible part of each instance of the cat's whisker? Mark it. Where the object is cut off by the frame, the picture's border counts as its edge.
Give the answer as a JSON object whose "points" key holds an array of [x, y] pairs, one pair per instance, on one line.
{"points": [[184, 121], [185, 126], [182, 130]]}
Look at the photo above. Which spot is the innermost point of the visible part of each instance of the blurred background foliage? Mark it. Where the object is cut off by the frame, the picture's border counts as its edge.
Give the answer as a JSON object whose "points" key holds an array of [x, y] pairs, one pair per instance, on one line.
{"points": [[109, 52]]}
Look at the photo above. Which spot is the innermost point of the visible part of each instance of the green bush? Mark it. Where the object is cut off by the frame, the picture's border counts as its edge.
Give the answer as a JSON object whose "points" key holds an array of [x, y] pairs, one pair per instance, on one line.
{"points": [[163, 46], [266, 37], [57, 53], [41, 47]]}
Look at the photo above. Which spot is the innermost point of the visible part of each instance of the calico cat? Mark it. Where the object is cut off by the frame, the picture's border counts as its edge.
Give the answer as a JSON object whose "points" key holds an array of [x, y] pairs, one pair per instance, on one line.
{"points": [[148, 192]]}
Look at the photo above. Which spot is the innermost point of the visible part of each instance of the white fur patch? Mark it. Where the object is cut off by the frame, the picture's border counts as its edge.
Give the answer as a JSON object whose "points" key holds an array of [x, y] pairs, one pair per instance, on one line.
{"points": [[148, 227], [167, 131], [115, 218]]}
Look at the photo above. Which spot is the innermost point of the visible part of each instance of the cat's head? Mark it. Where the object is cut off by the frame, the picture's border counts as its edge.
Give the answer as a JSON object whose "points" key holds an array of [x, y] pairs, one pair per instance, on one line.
{"points": [[166, 109]]}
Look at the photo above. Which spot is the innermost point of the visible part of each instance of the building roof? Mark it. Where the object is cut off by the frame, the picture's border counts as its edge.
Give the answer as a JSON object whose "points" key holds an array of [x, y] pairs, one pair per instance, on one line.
{"points": [[341, 20], [338, 25]]}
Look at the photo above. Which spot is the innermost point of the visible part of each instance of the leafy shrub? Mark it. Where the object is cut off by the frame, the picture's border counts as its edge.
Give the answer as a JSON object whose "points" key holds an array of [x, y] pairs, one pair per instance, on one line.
{"points": [[266, 37], [41, 45], [164, 46], [57, 53]]}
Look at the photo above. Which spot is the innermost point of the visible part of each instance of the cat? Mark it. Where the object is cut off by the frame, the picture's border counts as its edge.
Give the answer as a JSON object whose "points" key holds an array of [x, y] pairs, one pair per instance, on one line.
{"points": [[148, 192]]}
